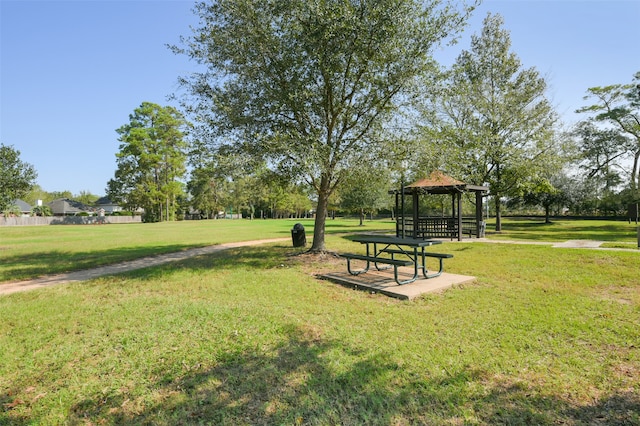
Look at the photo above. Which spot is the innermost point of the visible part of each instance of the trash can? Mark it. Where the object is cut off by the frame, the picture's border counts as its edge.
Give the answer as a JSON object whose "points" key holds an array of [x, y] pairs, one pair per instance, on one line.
{"points": [[298, 236]]}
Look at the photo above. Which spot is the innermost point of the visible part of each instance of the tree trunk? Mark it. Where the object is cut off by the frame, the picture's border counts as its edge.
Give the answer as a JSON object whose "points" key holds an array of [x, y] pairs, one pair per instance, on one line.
{"points": [[361, 217], [321, 217], [547, 214], [498, 214], [635, 172]]}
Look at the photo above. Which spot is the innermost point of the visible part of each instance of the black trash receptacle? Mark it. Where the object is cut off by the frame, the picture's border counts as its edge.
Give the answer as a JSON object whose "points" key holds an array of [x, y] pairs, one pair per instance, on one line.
{"points": [[298, 236]]}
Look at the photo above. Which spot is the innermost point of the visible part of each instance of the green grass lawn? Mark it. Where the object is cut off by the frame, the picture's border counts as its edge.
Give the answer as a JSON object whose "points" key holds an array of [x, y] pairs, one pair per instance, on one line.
{"points": [[28, 252], [250, 336]]}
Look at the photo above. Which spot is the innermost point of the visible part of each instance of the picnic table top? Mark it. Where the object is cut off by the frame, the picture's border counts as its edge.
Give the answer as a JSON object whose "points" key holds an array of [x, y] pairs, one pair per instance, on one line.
{"points": [[392, 239]]}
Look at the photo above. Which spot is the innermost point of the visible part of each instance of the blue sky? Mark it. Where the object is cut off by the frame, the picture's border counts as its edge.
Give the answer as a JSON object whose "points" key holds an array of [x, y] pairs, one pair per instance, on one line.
{"points": [[71, 72]]}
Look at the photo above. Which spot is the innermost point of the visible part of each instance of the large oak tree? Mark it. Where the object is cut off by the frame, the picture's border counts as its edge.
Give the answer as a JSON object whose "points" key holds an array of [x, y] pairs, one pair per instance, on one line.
{"points": [[308, 83]]}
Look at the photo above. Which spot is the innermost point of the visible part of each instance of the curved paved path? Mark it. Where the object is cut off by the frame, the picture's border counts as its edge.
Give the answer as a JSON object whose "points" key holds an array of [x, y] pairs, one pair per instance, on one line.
{"points": [[117, 268]]}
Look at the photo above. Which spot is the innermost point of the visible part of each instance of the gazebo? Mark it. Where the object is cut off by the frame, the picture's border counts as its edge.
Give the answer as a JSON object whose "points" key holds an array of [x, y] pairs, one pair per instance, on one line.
{"points": [[455, 226]]}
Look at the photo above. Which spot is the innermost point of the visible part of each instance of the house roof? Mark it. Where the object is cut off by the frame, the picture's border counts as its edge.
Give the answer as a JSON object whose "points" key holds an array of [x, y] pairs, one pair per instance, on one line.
{"points": [[22, 205], [105, 201], [65, 206]]}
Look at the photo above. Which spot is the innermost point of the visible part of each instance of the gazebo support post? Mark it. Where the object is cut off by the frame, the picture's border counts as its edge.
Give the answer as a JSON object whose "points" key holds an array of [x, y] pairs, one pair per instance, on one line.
{"points": [[453, 215], [459, 197], [402, 201], [397, 216], [478, 214], [416, 213]]}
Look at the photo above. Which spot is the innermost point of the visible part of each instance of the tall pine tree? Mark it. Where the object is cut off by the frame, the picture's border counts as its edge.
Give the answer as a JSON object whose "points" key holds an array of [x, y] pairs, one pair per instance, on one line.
{"points": [[151, 162], [493, 118]]}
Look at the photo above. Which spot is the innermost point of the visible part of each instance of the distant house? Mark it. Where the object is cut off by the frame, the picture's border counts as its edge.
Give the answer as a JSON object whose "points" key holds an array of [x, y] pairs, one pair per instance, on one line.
{"points": [[107, 205], [24, 207], [67, 207]]}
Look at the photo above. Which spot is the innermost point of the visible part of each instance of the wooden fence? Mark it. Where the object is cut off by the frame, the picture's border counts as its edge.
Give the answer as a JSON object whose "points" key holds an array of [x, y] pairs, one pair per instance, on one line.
{"points": [[67, 220]]}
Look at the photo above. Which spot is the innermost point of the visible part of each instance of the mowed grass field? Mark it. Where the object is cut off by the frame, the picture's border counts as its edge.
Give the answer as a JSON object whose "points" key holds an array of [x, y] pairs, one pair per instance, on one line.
{"points": [[250, 336]]}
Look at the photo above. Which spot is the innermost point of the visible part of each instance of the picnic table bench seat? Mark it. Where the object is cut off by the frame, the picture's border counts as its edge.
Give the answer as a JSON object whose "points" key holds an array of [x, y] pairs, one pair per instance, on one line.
{"points": [[376, 260], [439, 256], [426, 253], [389, 261]]}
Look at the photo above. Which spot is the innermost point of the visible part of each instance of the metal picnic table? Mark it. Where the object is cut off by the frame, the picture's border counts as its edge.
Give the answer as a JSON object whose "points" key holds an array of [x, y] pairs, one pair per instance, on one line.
{"points": [[395, 252]]}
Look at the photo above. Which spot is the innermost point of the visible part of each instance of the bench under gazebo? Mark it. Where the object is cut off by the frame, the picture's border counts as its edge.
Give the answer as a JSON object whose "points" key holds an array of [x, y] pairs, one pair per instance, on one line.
{"points": [[425, 226]]}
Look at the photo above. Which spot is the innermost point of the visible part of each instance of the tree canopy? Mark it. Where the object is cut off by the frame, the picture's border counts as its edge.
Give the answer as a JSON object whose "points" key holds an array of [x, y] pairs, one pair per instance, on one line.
{"points": [[308, 84], [16, 176], [618, 105]]}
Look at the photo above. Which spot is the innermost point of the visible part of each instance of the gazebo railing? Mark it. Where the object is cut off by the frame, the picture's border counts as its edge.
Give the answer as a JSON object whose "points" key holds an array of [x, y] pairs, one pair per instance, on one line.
{"points": [[436, 227]]}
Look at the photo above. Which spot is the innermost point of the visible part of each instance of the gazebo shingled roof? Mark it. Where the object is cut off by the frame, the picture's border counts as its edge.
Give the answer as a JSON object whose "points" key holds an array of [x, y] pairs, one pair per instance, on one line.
{"points": [[439, 183]]}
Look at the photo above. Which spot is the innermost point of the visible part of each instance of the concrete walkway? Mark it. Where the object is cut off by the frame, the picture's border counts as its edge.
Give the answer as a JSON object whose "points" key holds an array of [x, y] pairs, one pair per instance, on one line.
{"points": [[579, 244], [565, 244], [585, 244], [117, 268]]}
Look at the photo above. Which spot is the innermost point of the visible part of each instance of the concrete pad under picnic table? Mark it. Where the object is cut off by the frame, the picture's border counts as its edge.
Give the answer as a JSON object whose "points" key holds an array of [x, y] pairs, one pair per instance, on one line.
{"points": [[384, 283]]}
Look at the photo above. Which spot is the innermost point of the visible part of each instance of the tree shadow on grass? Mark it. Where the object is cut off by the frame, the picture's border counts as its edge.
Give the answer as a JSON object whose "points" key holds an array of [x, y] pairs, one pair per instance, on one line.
{"points": [[522, 404], [302, 381], [292, 383]]}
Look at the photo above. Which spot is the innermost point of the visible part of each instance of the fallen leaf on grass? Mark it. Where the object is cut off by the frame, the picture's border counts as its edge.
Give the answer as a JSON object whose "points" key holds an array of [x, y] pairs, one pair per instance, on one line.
{"points": [[38, 396], [14, 404]]}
